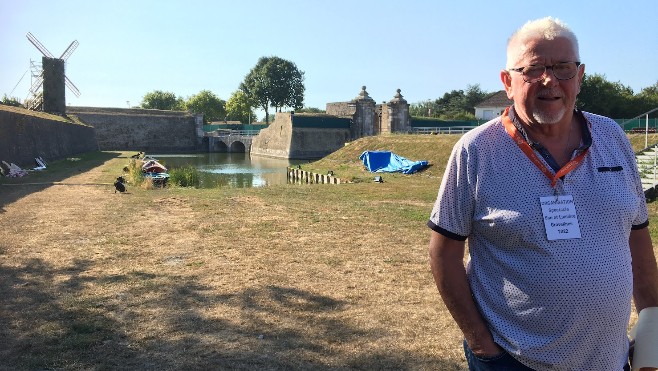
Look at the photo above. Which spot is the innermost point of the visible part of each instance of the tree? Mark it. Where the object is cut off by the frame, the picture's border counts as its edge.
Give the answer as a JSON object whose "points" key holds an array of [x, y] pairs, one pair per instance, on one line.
{"points": [[274, 82], [288, 84], [309, 110], [474, 95], [239, 108], [162, 100], [600, 96], [647, 100], [450, 104], [209, 104], [651, 91], [427, 108], [460, 105]]}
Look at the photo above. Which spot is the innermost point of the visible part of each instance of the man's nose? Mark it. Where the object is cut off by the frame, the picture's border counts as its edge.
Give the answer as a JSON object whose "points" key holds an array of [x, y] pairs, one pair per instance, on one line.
{"points": [[548, 78]]}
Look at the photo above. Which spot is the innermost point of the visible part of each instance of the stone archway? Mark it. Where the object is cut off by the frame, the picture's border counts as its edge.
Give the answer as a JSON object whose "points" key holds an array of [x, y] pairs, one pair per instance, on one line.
{"points": [[220, 146], [237, 146]]}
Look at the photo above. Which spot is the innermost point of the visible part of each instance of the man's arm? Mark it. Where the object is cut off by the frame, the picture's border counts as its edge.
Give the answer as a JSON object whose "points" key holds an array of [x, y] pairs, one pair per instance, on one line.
{"points": [[645, 272], [446, 261]]}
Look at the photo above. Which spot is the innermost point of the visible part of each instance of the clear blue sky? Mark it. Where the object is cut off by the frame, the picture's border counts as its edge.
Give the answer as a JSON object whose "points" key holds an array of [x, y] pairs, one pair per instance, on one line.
{"points": [[424, 47]]}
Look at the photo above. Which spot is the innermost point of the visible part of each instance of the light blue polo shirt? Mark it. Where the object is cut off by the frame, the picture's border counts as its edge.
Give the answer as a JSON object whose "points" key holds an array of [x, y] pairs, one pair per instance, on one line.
{"points": [[553, 305]]}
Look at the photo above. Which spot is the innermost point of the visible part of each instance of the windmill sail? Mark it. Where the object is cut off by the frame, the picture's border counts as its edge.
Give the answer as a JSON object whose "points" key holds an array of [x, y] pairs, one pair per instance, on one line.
{"points": [[69, 84], [67, 53], [52, 79], [37, 44]]}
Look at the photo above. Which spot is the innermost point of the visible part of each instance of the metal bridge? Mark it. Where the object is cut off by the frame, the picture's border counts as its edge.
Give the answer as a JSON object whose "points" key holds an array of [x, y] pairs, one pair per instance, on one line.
{"points": [[230, 141]]}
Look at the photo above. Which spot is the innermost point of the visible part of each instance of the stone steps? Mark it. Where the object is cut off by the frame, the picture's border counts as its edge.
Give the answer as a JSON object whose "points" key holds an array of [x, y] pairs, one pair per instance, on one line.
{"points": [[646, 164]]}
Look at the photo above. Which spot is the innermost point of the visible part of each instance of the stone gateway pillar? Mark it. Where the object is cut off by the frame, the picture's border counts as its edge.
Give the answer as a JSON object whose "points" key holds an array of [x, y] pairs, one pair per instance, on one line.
{"points": [[398, 114], [365, 116]]}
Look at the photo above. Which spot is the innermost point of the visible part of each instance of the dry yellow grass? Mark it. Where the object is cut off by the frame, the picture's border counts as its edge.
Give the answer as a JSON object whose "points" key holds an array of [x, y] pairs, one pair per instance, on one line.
{"points": [[43, 115], [288, 277]]}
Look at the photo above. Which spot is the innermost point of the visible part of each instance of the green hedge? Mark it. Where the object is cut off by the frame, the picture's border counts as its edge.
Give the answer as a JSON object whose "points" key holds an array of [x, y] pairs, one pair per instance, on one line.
{"points": [[321, 121]]}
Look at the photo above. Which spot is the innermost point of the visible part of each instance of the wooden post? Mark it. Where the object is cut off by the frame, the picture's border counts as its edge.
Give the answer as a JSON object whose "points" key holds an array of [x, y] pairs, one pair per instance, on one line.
{"points": [[294, 175]]}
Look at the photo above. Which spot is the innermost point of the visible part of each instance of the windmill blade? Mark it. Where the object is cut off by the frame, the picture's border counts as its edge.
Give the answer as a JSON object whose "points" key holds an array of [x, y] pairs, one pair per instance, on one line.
{"points": [[67, 53], [71, 86], [39, 46]]}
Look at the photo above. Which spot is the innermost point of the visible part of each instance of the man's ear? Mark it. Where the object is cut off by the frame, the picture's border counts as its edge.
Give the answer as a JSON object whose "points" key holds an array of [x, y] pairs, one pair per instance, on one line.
{"points": [[507, 83], [581, 75]]}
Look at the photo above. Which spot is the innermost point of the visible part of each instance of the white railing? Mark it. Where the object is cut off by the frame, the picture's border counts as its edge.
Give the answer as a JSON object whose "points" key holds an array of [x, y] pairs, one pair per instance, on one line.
{"points": [[646, 132], [240, 133], [446, 130]]}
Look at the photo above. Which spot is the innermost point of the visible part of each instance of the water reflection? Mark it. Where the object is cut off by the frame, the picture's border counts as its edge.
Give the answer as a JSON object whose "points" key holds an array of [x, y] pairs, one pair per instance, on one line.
{"points": [[231, 169]]}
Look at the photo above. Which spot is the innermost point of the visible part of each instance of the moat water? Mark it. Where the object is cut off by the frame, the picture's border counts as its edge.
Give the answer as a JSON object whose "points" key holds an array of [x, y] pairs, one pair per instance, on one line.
{"points": [[231, 169]]}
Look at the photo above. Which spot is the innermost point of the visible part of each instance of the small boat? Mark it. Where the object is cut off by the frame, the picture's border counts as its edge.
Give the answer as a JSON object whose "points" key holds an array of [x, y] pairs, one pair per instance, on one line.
{"points": [[153, 166], [158, 179]]}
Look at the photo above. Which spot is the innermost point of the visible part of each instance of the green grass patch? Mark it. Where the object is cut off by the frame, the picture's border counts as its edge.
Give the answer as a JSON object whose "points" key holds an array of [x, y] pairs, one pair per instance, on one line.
{"points": [[186, 176], [135, 175]]}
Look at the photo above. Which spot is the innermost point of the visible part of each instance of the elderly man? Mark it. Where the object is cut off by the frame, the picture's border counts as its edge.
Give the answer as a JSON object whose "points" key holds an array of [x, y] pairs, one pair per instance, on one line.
{"points": [[551, 203]]}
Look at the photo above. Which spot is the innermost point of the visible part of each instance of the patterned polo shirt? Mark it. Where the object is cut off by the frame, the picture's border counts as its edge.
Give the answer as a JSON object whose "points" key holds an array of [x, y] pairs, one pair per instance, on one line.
{"points": [[552, 304]]}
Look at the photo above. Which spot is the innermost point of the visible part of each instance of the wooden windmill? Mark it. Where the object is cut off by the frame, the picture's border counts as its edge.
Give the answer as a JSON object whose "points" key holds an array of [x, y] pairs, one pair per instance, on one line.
{"points": [[52, 79]]}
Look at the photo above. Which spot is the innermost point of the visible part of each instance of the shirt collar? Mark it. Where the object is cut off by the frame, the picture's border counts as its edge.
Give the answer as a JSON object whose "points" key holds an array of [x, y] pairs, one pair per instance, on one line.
{"points": [[582, 120]]}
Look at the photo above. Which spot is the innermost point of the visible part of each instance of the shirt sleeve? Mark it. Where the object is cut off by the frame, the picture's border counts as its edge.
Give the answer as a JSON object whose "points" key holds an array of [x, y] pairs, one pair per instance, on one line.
{"points": [[641, 219], [452, 214]]}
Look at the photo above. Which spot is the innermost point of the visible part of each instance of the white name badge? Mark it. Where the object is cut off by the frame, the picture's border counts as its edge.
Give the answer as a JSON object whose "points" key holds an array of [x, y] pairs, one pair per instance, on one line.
{"points": [[560, 218]]}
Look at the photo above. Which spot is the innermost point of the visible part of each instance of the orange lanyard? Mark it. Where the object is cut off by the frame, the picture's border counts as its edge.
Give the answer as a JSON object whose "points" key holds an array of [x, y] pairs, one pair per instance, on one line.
{"points": [[532, 155]]}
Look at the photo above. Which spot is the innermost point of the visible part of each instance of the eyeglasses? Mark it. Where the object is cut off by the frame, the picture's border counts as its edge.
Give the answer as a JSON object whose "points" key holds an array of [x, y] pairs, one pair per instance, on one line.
{"points": [[534, 73]]}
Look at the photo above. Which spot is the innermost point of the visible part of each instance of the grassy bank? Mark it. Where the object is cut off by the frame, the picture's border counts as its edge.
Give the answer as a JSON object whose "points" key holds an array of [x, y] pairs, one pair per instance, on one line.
{"points": [[284, 277]]}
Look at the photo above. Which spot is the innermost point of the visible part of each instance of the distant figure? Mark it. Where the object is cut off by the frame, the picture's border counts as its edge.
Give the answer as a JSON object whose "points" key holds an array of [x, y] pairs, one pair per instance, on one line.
{"points": [[119, 186]]}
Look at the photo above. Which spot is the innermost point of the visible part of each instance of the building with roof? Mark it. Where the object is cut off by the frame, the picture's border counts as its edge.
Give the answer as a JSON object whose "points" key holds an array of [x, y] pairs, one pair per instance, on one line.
{"points": [[493, 106]]}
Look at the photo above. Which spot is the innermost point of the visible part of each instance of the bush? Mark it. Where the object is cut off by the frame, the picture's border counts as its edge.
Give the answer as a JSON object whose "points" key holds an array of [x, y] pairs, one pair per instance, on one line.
{"points": [[11, 101], [187, 176], [135, 174]]}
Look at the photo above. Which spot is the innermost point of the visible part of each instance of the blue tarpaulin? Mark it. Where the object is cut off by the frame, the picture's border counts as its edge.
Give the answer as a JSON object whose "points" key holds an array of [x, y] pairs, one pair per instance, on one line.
{"points": [[389, 162]]}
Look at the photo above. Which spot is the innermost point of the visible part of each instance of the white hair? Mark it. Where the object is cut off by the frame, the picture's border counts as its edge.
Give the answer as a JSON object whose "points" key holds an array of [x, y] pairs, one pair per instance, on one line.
{"points": [[547, 28]]}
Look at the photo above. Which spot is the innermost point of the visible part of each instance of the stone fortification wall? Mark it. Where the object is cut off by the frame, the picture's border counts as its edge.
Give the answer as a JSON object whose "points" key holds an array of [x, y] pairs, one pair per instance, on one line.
{"points": [[274, 141], [25, 135], [282, 139], [142, 129], [341, 109], [313, 143], [369, 118]]}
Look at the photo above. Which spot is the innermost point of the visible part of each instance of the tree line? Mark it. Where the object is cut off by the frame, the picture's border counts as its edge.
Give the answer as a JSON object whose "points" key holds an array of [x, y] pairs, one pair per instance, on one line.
{"points": [[273, 83], [277, 83], [597, 95]]}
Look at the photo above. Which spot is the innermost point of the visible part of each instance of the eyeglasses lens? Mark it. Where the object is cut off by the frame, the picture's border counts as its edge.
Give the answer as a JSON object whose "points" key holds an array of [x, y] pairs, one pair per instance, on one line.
{"points": [[562, 71]]}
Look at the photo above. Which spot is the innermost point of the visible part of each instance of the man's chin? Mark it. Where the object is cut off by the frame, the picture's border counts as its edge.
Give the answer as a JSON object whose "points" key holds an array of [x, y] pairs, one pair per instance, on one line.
{"points": [[546, 118]]}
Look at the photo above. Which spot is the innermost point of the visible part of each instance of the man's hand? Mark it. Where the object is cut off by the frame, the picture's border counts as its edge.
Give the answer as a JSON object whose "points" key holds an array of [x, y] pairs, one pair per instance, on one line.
{"points": [[446, 261], [491, 349]]}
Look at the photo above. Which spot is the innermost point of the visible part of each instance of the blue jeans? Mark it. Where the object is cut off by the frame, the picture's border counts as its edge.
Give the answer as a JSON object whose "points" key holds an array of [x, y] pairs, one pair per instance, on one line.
{"points": [[500, 362]]}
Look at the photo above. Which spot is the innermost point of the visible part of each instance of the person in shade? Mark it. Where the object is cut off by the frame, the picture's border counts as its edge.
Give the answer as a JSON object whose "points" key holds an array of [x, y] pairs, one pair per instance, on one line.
{"points": [[551, 203]]}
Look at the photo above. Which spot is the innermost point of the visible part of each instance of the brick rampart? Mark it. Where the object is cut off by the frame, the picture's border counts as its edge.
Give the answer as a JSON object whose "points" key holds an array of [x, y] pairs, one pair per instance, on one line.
{"points": [[341, 109], [25, 135], [283, 140], [141, 129]]}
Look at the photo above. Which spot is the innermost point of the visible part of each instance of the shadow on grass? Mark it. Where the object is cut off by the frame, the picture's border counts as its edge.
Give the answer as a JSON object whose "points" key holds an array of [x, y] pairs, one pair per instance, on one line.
{"points": [[139, 320], [12, 189]]}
